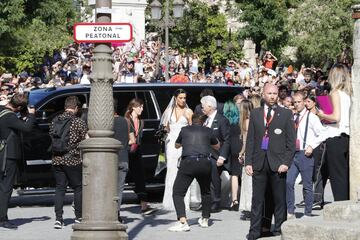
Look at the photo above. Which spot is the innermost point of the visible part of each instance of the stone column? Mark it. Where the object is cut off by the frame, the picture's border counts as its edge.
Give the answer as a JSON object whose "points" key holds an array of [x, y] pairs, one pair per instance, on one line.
{"points": [[99, 152], [249, 52], [355, 111]]}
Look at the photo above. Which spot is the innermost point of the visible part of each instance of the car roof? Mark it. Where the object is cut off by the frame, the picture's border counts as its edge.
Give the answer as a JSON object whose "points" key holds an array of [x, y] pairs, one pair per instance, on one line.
{"points": [[38, 96]]}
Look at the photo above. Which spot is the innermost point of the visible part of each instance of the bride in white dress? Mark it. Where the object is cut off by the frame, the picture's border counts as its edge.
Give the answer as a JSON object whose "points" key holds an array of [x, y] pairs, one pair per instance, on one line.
{"points": [[176, 116]]}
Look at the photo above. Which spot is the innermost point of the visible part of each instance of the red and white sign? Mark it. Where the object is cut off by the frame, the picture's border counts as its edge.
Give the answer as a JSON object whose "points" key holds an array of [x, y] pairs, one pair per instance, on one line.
{"points": [[103, 32]]}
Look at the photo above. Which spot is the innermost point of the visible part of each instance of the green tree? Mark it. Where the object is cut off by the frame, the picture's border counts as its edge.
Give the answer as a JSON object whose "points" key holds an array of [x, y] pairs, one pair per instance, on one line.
{"points": [[320, 30], [197, 30], [30, 28], [265, 22]]}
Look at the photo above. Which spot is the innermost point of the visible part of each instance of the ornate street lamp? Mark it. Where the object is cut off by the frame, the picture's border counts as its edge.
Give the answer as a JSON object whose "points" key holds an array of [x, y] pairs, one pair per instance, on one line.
{"points": [[178, 6], [218, 40], [178, 11], [155, 10]]}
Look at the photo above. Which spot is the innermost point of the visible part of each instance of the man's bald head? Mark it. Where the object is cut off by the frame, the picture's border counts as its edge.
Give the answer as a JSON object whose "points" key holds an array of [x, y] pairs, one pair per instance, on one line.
{"points": [[270, 94]]}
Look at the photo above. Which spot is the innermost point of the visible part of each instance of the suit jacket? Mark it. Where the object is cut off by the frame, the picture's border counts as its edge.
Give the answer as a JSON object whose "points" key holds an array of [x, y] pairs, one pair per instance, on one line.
{"points": [[282, 137], [221, 129], [121, 133], [10, 122]]}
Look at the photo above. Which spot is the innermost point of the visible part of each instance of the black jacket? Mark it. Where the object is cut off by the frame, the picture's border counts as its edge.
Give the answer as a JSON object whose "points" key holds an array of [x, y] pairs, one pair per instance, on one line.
{"points": [[121, 129], [221, 129], [10, 122], [281, 148]]}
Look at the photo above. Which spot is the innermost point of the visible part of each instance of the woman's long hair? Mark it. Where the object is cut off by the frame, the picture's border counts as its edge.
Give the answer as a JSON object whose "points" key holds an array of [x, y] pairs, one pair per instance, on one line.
{"points": [[135, 102], [340, 78], [231, 112], [245, 107]]}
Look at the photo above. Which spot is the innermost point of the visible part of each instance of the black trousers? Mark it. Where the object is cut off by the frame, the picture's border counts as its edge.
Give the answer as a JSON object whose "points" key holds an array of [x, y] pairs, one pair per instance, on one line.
{"points": [[6, 188], [200, 169], [278, 189], [216, 181], [320, 175], [136, 171], [64, 176], [337, 158]]}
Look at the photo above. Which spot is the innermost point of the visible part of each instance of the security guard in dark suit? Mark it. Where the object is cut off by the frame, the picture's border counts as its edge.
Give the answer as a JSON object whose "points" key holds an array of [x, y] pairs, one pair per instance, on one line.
{"points": [[196, 141], [10, 128]]}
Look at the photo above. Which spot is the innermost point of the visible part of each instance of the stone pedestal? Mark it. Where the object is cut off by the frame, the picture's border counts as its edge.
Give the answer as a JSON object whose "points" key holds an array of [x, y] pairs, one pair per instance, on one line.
{"points": [[340, 221]]}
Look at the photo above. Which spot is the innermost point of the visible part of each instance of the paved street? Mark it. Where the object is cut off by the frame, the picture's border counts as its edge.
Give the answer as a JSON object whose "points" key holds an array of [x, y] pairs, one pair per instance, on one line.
{"points": [[35, 217]]}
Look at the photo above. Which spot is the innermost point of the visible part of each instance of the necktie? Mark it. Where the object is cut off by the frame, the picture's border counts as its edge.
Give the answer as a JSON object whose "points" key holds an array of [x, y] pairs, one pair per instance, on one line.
{"points": [[297, 119], [207, 122], [268, 115]]}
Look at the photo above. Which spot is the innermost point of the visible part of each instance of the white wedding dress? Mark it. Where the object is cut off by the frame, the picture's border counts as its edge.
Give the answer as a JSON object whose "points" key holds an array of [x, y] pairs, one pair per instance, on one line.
{"points": [[172, 156]]}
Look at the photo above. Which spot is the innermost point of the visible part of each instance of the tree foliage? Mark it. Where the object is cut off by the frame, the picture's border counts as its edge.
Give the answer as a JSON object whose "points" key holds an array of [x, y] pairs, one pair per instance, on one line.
{"points": [[321, 29], [265, 22], [30, 28], [197, 30]]}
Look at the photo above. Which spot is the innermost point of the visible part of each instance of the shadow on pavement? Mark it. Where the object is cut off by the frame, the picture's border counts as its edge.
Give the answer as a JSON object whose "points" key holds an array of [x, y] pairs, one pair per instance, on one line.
{"points": [[37, 200], [22, 221], [149, 221]]}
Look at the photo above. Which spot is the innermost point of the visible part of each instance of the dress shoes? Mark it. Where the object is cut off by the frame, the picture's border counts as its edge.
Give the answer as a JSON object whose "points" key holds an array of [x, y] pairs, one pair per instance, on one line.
{"points": [[318, 205], [8, 225], [215, 207], [301, 204], [245, 216]]}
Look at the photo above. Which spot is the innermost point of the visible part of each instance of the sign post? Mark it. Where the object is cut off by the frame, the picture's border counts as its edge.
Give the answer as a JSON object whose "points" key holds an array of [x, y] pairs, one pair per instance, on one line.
{"points": [[100, 152], [103, 32]]}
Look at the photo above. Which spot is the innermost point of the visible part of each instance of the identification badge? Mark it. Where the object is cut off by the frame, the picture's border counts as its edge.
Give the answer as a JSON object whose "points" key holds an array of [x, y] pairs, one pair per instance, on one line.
{"points": [[297, 145], [265, 143]]}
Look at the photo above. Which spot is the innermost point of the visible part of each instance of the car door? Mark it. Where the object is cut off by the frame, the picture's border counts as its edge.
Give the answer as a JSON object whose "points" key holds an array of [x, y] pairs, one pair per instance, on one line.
{"points": [[151, 117], [35, 168]]}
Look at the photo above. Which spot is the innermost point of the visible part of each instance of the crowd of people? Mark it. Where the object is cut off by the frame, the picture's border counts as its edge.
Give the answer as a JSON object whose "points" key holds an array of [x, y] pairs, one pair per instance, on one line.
{"points": [[145, 62]]}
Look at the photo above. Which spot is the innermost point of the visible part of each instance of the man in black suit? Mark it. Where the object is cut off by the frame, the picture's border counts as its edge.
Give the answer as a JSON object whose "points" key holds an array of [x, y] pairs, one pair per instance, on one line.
{"points": [[270, 148], [221, 128], [10, 128]]}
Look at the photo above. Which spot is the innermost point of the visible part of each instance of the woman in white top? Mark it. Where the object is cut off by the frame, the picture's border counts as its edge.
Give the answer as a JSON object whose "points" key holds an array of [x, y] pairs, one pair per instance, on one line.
{"points": [[337, 143], [176, 116]]}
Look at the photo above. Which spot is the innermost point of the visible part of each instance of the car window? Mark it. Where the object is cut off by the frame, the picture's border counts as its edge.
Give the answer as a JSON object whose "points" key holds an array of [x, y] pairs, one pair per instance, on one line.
{"points": [[149, 107], [56, 106], [123, 99]]}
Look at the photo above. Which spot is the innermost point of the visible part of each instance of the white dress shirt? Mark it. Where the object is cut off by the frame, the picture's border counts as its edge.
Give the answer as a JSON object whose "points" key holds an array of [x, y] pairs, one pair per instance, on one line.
{"points": [[210, 119], [316, 131]]}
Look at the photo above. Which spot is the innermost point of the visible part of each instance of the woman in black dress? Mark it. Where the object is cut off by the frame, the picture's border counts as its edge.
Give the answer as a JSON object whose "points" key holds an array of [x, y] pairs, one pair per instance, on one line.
{"points": [[231, 112]]}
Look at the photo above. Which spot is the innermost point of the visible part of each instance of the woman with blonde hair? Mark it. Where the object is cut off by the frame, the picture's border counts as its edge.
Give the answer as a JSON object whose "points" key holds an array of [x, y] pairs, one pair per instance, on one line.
{"points": [[337, 143], [246, 181]]}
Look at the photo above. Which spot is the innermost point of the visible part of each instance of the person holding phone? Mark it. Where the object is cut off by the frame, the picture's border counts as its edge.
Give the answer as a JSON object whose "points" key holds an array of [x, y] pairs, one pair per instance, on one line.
{"points": [[10, 128]]}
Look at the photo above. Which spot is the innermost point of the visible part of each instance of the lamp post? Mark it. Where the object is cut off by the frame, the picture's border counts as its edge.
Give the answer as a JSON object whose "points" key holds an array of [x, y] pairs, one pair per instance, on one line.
{"points": [[178, 11], [100, 151]]}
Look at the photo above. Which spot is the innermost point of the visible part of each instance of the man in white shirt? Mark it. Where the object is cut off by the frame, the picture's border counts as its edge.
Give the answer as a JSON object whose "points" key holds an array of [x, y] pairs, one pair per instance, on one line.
{"points": [[310, 133]]}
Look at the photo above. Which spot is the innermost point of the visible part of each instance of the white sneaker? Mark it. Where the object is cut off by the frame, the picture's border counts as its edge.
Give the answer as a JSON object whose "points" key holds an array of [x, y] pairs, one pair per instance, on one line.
{"points": [[203, 222], [179, 227], [291, 216], [59, 224]]}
